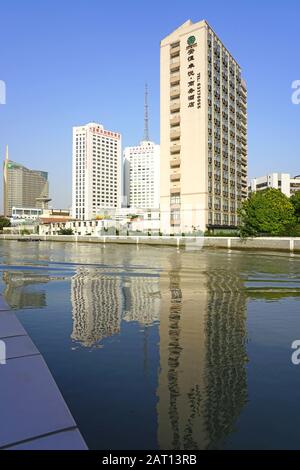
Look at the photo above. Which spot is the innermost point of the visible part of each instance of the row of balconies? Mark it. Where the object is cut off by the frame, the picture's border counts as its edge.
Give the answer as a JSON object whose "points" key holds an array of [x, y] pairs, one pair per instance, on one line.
{"points": [[175, 120], [175, 177], [227, 177], [218, 193], [174, 63], [174, 51], [218, 90], [225, 208], [217, 163], [175, 188], [175, 149], [174, 107], [224, 128], [175, 78], [175, 134], [175, 92], [175, 163], [227, 80], [225, 194]]}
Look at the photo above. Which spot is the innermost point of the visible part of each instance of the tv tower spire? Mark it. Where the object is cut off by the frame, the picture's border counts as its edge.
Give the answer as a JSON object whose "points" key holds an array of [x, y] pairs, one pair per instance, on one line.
{"points": [[146, 118]]}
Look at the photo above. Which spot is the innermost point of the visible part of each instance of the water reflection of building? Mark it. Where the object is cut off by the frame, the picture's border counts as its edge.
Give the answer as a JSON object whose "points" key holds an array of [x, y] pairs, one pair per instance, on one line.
{"points": [[141, 299], [202, 383], [20, 290], [226, 377], [96, 306], [100, 302]]}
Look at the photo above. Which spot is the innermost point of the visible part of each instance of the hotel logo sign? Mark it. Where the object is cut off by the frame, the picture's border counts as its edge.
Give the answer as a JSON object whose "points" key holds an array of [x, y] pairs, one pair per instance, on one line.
{"points": [[191, 40]]}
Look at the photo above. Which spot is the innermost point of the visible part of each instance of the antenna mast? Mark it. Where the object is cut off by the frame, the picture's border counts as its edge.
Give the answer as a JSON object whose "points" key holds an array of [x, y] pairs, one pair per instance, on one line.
{"points": [[146, 118]]}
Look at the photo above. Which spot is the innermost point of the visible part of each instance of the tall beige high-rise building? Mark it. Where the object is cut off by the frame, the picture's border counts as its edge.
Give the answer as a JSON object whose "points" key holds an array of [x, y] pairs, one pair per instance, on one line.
{"points": [[203, 113], [96, 171], [23, 187]]}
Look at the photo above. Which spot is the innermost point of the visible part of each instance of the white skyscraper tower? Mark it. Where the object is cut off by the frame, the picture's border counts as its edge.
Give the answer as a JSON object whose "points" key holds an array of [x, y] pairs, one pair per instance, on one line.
{"points": [[96, 173], [142, 170]]}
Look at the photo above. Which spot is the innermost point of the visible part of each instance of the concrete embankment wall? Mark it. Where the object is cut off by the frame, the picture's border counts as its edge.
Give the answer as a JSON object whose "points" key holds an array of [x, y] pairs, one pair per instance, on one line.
{"points": [[234, 243]]}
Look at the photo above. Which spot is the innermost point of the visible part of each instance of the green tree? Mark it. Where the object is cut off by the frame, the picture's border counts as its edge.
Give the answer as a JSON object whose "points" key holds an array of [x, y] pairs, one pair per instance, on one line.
{"points": [[267, 212], [4, 222], [65, 231], [295, 200]]}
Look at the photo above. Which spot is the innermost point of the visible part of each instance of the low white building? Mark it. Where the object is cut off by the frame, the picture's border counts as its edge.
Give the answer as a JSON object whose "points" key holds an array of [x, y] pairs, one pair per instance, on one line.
{"points": [[22, 214], [283, 181], [122, 221]]}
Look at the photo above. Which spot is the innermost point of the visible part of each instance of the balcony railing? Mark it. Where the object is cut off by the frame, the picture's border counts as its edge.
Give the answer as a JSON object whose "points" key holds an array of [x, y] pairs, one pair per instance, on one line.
{"points": [[175, 92], [175, 163], [175, 78], [174, 51], [175, 106], [175, 177], [174, 135], [175, 120], [175, 65], [174, 149]]}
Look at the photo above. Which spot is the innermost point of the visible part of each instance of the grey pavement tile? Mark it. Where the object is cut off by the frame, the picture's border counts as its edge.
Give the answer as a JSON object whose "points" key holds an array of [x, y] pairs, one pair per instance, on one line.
{"points": [[66, 440], [31, 404], [19, 346], [10, 325], [3, 304]]}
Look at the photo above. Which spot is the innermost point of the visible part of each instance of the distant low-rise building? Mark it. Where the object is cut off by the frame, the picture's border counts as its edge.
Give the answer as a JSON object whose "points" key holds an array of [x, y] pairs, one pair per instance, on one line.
{"points": [[283, 181], [55, 215], [23, 187], [113, 222], [22, 214]]}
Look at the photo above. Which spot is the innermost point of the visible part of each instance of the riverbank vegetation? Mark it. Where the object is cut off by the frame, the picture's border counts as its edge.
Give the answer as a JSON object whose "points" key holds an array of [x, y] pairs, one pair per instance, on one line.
{"points": [[270, 213]]}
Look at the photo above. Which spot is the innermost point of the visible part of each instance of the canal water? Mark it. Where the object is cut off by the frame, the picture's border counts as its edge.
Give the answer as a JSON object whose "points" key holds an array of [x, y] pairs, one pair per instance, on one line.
{"points": [[159, 348]]}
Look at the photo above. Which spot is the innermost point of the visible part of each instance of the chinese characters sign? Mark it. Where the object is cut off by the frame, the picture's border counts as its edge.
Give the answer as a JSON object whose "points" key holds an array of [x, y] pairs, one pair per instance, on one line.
{"points": [[113, 135], [191, 47], [194, 84]]}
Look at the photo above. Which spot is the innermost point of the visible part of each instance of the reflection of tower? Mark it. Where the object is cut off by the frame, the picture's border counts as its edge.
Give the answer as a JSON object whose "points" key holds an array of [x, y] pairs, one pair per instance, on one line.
{"points": [[142, 299], [21, 289], [202, 383], [96, 305], [225, 373], [182, 346], [142, 305]]}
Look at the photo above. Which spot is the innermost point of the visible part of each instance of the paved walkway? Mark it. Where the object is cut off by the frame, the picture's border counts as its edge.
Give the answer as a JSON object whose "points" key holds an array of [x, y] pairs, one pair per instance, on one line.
{"points": [[33, 412]]}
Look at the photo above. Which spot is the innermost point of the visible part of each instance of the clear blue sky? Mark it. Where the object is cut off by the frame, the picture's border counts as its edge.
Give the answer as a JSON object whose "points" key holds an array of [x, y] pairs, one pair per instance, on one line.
{"points": [[69, 62]]}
